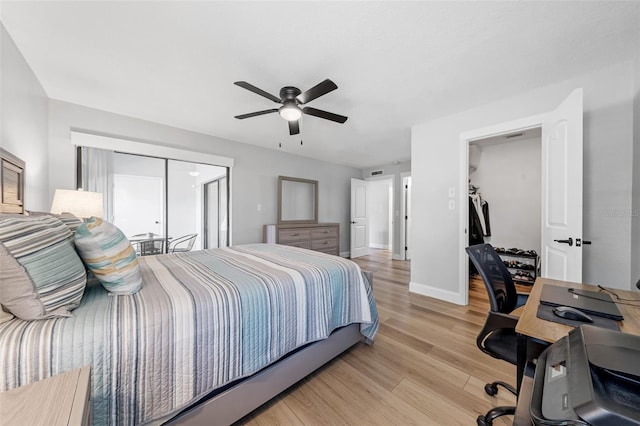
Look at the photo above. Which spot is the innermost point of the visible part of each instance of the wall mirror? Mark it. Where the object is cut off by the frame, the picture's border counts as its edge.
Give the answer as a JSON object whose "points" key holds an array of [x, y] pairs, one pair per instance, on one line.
{"points": [[297, 200]]}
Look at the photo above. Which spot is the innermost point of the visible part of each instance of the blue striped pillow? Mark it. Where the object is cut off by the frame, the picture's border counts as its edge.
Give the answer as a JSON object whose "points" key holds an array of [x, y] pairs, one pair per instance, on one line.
{"points": [[41, 275], [109, 255]]}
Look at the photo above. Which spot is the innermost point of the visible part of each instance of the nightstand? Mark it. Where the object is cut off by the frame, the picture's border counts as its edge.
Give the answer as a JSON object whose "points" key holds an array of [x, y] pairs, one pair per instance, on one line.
{"points": [[58, 400]]}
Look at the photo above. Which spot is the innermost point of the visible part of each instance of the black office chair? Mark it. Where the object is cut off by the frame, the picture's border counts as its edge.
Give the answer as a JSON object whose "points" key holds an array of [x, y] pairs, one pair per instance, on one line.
{"points": [[182, 244], [498, 336]]}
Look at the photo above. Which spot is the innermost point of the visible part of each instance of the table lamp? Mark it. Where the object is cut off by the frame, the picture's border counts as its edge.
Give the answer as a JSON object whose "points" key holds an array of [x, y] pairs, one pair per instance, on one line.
{"points": [[82, 204]]}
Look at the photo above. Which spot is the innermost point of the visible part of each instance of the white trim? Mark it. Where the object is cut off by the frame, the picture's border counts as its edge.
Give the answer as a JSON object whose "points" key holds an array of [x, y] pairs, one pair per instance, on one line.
{"points": [[403, 215], [437, 293], [144, 148], [466, 137], [346, 254], [380, 246], [397, 257]]}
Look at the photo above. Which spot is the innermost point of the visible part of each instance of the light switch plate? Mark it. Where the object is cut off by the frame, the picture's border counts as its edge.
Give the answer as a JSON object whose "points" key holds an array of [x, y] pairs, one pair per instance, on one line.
{"points": [[452, 192], [452, 204]]}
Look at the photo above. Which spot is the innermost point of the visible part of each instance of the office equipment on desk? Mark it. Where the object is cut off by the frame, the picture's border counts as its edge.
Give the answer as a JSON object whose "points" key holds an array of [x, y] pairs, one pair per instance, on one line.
{"points": [[572, 314], [590, 302], [591, 376]]}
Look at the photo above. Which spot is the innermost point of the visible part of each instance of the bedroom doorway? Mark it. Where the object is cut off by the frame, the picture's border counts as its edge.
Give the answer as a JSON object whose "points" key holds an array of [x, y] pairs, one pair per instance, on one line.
{"points": [[561, 188], [380, 206]]}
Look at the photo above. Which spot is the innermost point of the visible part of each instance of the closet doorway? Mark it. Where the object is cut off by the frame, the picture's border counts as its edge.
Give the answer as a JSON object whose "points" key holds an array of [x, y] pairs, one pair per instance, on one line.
{"points": [[505, 199]]}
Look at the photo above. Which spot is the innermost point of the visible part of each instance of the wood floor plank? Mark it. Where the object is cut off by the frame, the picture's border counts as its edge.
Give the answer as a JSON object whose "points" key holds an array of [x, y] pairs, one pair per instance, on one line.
{"points": [[424, 367]]}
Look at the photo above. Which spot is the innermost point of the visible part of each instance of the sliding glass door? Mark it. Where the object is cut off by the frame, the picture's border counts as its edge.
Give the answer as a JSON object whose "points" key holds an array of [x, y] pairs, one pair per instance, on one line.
{"points": [[182, 205], [188, 204], [215, 213]]}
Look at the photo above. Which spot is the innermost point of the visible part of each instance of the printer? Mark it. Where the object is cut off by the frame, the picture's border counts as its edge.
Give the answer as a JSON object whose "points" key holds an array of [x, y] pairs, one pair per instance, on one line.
{"points": [[590, 377]]}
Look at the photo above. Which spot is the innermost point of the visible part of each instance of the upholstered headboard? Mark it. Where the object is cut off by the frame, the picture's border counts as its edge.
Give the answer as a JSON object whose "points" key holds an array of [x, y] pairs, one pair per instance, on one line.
{"points": [[11, 183]]}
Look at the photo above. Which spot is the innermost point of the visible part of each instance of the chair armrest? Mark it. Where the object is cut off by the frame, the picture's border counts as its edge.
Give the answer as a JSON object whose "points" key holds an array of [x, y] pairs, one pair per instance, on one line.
{"points": [[498, 320]]}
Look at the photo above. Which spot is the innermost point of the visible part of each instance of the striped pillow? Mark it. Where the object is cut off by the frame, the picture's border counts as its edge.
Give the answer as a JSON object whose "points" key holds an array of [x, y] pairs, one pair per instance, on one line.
{"points": [[109, 255], [41, 275]]}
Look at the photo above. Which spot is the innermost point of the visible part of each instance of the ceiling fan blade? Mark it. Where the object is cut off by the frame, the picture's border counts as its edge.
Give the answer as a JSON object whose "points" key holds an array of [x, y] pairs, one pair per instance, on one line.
{"points": [[294, 127], [257, 113], [250, 87], [324, 114], [316, 91]]}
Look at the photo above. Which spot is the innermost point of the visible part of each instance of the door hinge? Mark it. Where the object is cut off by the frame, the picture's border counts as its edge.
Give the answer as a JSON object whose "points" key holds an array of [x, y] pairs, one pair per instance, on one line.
{"points": [[406, 248]]}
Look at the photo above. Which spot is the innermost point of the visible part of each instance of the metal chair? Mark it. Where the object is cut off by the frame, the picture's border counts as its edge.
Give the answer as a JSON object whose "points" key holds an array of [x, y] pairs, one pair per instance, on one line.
{"points": [[182, 244], [498, 336]]}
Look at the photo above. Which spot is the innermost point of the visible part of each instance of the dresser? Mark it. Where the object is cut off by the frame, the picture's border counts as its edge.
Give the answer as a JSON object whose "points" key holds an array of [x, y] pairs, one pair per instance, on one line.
{"points": [[324, 237]]}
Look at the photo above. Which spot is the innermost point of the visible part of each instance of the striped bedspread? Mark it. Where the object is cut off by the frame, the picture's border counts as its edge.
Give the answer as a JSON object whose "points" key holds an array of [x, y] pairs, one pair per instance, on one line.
{"points": [[202, 319]]}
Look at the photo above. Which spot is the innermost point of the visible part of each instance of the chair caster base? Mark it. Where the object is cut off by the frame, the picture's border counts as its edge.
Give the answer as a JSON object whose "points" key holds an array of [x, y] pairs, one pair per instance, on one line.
{"points": [[492, 388], [482, 421], [494, 413]]}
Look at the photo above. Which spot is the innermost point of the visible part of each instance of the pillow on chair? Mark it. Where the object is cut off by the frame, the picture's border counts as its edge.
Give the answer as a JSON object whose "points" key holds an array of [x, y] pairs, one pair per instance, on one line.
{"points": [[108, 254], [40, 272]]}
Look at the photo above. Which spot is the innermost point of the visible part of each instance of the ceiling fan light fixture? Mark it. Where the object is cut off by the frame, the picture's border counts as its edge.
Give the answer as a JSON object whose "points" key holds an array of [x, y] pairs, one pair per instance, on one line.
{"points": [[290, 111]]}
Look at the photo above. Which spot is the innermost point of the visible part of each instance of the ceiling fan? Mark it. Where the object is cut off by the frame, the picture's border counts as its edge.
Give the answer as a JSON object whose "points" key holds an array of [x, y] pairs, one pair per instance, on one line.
{"points": [[291, 99]]}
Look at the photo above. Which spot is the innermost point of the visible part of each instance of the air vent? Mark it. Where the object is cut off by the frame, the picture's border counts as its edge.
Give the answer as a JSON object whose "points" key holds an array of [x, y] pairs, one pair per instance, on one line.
{"points": [[514, 135], [377, 172]]}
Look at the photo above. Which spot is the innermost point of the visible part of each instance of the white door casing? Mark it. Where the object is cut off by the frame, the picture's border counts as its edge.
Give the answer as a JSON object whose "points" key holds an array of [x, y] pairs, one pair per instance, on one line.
{"points": [[359, 219], [405, 240], [562, 190]]}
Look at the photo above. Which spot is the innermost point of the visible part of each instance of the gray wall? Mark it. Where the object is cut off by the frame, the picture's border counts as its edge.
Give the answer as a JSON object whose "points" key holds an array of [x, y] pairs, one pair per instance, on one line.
{"points": [[635, 241], [609, 96], [253, 178], [23, 121], [395, 171]]}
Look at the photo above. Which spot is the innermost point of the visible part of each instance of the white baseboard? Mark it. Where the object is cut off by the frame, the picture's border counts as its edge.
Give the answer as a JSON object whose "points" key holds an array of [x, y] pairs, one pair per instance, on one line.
{"points": [[380, 246], [346, 254], [397, 257], [438, 293]]}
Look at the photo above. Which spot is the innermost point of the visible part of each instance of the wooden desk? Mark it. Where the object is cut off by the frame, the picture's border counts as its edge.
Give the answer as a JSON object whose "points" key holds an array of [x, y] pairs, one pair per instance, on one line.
{"points": [[532, 326], [529, 326]]}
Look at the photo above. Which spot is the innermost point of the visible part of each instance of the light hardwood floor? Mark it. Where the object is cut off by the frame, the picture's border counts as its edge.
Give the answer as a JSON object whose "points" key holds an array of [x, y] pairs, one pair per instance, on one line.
{"points": [[424, 367]]}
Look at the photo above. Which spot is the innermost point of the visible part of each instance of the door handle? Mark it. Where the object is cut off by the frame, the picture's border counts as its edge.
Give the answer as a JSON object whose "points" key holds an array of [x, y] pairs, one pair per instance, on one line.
{"points": [[569, 241], [580, 242]]}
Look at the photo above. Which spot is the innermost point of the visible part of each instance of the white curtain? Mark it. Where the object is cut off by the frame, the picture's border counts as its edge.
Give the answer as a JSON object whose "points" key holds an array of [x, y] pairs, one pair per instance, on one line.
{"points": [[97, 176]]}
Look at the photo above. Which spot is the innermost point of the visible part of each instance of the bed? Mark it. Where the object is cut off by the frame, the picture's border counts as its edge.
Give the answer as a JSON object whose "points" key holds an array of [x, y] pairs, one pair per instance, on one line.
{"points": [[211, 335]]}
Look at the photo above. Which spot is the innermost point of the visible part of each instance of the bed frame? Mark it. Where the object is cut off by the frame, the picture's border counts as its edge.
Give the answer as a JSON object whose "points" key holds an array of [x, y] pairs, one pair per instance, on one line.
{"points": [[238, 401]]}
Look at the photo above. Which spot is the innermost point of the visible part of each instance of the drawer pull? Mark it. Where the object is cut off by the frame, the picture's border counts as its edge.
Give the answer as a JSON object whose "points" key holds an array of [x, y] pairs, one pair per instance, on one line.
{"points": [[325, 242], [325, 232], [294, 234]]}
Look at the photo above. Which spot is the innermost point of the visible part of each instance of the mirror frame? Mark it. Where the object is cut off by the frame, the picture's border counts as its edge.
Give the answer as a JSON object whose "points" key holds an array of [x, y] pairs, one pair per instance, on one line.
{"points": [[282, 179]]}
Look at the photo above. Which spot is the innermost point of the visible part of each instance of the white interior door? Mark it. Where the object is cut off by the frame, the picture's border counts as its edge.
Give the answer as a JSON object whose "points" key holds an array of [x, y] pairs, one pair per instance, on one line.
{"points": [[359, 219], [562, 191], [138, 204]]}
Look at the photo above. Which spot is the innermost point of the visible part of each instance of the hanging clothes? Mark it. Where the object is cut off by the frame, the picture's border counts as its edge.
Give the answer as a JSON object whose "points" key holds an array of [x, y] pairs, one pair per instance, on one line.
{"points": [[475, 226], [485, 213], [481, 208]]}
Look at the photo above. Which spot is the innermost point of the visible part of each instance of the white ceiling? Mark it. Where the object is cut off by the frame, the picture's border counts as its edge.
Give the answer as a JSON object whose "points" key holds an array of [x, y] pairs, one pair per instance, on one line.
{"points": [[396, 63]]}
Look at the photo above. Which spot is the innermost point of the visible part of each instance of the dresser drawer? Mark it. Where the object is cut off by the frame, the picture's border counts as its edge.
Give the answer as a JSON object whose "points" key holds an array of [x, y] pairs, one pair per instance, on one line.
{"points": [[328, 250], [320, 244], [302, 244], [287, 235], [322, 233]]}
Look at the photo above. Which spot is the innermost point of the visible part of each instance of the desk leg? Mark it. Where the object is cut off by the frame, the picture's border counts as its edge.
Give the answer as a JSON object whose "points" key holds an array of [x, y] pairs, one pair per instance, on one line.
{"points": [[522, 358]]}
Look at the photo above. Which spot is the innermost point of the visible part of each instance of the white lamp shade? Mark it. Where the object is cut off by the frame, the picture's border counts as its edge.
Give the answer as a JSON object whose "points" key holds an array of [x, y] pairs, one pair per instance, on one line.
{"points": [[82, 204]]}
